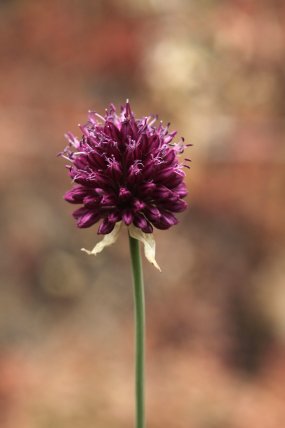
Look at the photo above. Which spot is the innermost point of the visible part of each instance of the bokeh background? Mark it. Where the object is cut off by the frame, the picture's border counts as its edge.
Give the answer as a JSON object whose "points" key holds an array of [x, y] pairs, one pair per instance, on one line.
{"points": [[216, 314]]}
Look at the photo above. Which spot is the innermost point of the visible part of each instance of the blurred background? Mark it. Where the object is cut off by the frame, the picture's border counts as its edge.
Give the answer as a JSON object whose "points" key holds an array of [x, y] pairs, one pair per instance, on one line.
{"points": [[216, 314]]}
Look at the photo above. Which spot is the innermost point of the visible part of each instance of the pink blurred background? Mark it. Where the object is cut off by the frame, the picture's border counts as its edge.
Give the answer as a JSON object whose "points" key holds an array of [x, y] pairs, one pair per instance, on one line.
{"points": [[216, 314]]}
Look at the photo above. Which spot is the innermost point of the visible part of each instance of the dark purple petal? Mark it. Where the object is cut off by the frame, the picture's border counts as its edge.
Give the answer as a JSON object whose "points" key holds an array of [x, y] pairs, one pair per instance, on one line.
{"points": [[107, 201], [166, 174], [162, 192], [134, 173], [181, 190], [76, 195], [168, 218], [112, 131], [124, 194], [80, 212], [147, 188], [96, 160], [126, 130], [165, 221], [141, 222], [105, 227], [179, 206], [176, 207], [152, 213], [128, 217], [175, 179], [150, 168], [115, 170], [138, 205], [114, 217], [170, 156], [86, 218], [81, 162], [91, 201]]}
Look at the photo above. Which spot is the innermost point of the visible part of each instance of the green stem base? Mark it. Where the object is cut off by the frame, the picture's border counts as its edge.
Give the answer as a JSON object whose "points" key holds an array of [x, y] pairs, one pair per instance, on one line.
{"points": [[139, 329]]}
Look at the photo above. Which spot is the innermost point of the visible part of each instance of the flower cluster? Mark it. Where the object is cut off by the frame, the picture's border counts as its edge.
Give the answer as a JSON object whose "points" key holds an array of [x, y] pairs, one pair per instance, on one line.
{"points": [[125, 169]]}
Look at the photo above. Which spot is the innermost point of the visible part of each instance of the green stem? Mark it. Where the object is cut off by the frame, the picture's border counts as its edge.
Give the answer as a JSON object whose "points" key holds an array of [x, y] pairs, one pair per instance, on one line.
{"points": [[139, 329]]}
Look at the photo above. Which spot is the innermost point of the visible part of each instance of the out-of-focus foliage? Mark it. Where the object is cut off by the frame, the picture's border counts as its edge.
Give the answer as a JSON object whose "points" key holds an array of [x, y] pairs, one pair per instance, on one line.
{"points": [[215, 316]]}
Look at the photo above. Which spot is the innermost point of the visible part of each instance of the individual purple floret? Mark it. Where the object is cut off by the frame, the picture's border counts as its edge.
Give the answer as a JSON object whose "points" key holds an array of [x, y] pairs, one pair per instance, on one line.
{"points": [[125, 169]]}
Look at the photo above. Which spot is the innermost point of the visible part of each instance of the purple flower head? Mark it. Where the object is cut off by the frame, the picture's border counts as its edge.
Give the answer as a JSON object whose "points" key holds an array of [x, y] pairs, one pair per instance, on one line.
{"points": [[125, 170]]}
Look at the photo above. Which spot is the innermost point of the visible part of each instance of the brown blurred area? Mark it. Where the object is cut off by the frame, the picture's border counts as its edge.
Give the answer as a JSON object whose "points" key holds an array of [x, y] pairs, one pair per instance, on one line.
{"points": [[216, 314]]}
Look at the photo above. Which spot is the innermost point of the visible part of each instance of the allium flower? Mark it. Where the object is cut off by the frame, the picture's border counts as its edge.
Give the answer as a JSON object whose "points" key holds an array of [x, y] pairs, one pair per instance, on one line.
{"points": [[126, 171]]}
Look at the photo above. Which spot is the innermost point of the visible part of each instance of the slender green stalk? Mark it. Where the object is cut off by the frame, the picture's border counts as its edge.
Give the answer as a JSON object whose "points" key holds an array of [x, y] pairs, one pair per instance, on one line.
{"points": [[139, 329]]}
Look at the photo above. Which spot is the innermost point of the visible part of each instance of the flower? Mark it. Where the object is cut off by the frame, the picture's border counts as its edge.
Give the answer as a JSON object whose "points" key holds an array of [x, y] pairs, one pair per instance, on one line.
{"points": [[126, 171]]}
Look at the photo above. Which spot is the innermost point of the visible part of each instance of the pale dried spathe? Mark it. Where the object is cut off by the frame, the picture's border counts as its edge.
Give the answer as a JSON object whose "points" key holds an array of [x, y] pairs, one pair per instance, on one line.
{"points": [[147, 240]]}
